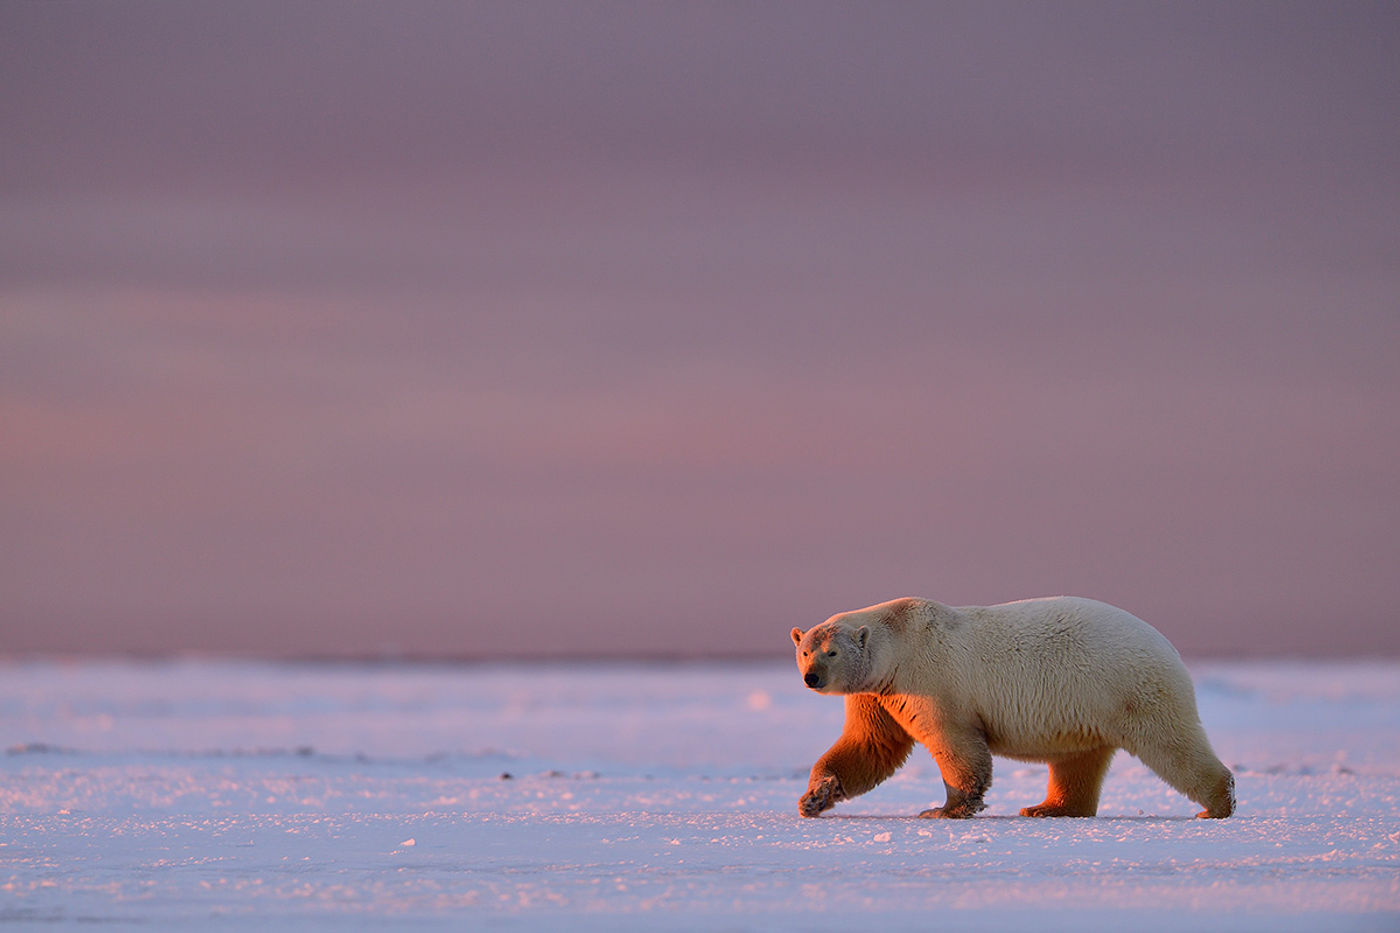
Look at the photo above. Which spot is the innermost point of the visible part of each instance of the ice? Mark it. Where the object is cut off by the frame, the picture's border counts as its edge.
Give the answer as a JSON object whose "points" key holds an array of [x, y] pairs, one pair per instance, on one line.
{"points": [[626, 797]]}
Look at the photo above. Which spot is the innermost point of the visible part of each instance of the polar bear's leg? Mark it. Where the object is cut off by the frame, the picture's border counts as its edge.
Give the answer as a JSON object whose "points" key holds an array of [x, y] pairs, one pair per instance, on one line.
{"points": [[965, 762], [1187, 762], [871, 747], [1075, 782]]}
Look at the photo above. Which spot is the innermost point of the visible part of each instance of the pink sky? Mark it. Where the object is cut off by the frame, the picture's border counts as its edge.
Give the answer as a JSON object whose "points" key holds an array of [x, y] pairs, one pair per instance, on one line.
{"points": [[478, 329]]}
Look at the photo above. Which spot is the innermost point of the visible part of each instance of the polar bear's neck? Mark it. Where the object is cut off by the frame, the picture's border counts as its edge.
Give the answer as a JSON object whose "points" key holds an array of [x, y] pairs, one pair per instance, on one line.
{"points": [[906, 648], [882, 671]]}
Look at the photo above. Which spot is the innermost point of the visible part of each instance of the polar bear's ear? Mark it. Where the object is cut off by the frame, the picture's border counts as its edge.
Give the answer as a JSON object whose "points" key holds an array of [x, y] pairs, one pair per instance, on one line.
{"points": [[862, 634], [797, 636]]}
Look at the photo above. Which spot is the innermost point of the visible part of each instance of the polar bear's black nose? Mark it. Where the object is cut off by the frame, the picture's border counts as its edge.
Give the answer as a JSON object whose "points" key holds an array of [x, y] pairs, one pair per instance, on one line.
{"points": [[811, 680]]}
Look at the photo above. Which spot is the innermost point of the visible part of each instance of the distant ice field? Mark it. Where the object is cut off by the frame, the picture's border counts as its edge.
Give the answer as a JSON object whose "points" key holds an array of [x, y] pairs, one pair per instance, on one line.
{"points": [[632, 797]]}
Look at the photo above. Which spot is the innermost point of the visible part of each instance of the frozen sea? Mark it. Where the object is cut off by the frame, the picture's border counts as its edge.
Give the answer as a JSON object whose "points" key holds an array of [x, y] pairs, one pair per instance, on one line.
{"points": [[241, 795]]}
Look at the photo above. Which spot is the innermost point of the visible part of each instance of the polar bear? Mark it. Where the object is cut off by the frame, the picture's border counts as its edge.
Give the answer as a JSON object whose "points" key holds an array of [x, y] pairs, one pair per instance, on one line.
{"points": [[1063, 680]]}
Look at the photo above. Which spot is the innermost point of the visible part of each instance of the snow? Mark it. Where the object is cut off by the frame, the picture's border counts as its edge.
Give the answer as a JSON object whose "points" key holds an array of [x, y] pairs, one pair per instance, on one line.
{"points": [[623, 797]]}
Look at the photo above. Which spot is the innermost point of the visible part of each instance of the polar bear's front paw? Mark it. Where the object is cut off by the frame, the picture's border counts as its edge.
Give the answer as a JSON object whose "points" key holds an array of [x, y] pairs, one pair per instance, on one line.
{"points": [[962, 810], [822, 794]]}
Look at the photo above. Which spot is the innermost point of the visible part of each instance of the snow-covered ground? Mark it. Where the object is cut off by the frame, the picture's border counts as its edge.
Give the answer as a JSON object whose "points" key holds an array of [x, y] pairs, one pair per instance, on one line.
{"points": [[615, 797]]}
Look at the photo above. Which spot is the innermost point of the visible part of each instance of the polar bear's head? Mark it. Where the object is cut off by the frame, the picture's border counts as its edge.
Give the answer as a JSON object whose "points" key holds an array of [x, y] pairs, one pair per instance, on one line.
{"points": [[832, 656], [855, 652]]}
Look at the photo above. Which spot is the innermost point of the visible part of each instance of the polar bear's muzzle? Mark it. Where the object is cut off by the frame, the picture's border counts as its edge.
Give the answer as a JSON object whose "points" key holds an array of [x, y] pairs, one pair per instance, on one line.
{"points": [[813, 680]]}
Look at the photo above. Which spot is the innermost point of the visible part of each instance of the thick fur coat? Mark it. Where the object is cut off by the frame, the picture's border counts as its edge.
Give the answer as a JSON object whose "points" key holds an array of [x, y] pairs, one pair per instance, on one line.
{"points": [[1063, 680]]}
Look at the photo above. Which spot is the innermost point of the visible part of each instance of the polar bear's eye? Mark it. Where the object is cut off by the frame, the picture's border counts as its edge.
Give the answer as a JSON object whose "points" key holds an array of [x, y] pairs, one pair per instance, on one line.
{"points": [[831, 654]]}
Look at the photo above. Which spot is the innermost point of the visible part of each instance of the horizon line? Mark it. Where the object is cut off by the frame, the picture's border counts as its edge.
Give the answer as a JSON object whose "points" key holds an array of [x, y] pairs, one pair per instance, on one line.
{"points": [[389, 658]]}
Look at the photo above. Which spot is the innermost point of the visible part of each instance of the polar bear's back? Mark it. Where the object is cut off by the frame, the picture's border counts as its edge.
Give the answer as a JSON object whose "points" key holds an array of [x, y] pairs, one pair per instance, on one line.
{"points": [[1069, 628], [1066, 673]]}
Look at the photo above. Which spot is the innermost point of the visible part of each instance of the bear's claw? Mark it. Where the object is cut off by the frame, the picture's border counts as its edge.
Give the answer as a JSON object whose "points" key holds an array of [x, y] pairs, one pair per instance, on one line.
{"points": [[822, 794], [961, 811]]}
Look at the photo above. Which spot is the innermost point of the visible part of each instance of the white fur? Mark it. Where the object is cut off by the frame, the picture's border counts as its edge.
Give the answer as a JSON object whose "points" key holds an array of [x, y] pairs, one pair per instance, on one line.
{"points": [[1040, 680]]}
